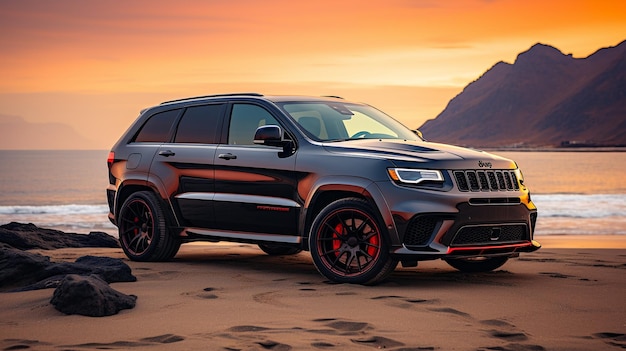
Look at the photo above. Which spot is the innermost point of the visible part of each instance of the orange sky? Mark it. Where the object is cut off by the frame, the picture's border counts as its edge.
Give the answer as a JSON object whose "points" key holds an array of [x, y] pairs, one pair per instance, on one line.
{"points": [[94, 65]]}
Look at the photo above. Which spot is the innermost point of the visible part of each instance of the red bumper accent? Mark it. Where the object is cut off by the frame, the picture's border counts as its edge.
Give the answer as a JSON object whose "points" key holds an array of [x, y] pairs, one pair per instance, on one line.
{"points": [[486, 250]]}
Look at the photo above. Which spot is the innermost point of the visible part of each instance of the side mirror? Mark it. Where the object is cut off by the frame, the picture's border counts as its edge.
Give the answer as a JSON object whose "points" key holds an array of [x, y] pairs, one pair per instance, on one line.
{"points": [[270, 135]]}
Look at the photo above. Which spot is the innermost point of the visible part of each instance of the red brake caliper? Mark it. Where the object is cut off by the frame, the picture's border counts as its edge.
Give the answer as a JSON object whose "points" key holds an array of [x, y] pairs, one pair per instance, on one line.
{"points": [[336, 240], [136, 220], [371, 250]]}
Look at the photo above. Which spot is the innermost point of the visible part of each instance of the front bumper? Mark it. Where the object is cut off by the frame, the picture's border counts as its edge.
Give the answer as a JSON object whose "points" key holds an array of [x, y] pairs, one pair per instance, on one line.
{"points": [[454, 224]]}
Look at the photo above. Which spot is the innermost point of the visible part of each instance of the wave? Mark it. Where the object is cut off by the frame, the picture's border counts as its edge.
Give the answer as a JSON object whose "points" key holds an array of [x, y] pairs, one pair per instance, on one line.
{"points": [[580, 205], [72, 217], [54, 210]]}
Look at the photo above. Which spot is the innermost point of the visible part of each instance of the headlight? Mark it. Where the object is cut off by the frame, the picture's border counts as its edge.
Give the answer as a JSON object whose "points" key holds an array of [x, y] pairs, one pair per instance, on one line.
{"points": [[414, 176]]}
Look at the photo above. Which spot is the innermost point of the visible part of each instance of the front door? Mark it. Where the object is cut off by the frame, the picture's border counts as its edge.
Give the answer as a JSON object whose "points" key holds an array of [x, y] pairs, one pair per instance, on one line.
{"points": [[255, 189]]}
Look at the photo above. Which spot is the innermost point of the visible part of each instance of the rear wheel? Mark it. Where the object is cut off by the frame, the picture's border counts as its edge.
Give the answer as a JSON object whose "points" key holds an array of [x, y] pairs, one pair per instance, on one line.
{"points": [[142, 229], [473, 265], [278, 250], [348, 244]]}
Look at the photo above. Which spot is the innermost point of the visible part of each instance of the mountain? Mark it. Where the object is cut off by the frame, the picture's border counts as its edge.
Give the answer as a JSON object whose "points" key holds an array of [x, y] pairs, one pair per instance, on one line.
{"points": [[545, 98], [18, 134]]}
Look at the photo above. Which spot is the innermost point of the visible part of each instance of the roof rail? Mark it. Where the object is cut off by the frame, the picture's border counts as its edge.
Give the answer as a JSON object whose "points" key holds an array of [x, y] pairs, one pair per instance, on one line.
{"points": [[210, 96], [333, 96]]}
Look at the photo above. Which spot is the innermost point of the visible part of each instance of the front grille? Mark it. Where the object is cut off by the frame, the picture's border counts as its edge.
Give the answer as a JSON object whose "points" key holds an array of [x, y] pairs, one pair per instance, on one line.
{"points": [[419, 230], [489, 235], [486, 180]]}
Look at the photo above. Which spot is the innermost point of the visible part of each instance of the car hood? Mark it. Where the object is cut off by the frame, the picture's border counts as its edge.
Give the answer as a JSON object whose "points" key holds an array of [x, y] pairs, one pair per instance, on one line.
{"points": [[433, 155]]}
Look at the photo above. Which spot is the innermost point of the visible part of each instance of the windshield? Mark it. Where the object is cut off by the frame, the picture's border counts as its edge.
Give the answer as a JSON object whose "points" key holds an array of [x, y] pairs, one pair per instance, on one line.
{"points": [[336, 121]]}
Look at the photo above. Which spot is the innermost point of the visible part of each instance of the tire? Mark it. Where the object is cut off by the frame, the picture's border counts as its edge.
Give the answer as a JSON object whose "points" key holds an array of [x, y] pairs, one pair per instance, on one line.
{"points": [[143, 232], [279, 250], [476, 265], [348, 244]]}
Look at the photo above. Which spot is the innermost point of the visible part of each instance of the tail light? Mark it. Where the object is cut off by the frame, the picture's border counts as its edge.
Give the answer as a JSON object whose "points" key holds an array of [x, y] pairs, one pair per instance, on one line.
{"points": [[111, 158]]}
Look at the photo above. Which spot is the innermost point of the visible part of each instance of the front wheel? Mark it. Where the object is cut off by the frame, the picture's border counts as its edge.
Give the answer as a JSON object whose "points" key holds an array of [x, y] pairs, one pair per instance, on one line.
{"points": [[475, 265], [143, 233], [348, 244]]}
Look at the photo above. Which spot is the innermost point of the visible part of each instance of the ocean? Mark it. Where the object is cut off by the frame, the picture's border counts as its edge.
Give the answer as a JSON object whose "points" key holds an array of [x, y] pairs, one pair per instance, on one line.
{"points": [[575, 192]]}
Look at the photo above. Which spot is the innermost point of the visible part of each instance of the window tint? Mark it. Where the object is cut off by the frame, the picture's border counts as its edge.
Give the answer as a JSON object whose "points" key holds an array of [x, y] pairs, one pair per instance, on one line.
{"points": [[157, 128], [199, 124], [244, 121]]}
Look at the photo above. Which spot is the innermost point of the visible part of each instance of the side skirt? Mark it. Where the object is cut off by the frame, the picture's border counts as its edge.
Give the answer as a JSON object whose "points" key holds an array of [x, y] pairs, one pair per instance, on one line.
{"points": [[198, 234]]}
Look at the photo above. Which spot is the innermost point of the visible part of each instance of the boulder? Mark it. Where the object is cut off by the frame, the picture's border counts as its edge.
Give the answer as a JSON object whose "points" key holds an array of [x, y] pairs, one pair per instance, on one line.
{"points": [[23, 271], [29, 236], [20, 268], [89, 296], [81, 286]]}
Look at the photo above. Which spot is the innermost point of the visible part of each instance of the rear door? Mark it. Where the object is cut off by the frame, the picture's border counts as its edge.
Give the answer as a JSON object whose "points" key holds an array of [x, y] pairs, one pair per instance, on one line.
{"points": [[255, 189], [185, 167]]}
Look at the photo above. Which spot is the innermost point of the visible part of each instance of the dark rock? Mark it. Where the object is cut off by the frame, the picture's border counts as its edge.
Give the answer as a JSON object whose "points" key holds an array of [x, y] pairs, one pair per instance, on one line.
{"points": [[81, 286], [29, 236], [89, 296], [24, 271], [19, 268], [112, 270]]}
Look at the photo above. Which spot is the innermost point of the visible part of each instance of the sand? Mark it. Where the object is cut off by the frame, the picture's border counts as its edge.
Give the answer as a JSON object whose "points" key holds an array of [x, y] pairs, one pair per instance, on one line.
{"points": [[567, 296]]}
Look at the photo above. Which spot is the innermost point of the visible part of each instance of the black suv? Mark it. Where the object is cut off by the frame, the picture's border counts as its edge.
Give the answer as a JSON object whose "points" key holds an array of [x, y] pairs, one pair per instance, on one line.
{"points": [[342, 180]]}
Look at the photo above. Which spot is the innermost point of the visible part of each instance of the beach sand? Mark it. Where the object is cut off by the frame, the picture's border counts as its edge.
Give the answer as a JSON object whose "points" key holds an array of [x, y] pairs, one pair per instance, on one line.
{"points": [[570, 295]]}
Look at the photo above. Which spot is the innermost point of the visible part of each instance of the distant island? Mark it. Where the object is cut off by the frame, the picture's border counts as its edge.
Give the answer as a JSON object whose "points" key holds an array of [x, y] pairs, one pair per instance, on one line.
{"points": [[545, 99], [18, 134]]}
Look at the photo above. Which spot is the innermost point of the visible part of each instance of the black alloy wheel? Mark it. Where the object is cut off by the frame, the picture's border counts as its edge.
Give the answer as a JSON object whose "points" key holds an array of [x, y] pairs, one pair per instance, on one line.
{"points": [[348, 244], [143, 232]]}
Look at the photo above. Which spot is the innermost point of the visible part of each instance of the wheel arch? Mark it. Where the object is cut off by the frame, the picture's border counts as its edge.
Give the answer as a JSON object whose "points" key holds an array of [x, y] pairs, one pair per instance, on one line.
{"points": [[332, 189], [128, 188]]}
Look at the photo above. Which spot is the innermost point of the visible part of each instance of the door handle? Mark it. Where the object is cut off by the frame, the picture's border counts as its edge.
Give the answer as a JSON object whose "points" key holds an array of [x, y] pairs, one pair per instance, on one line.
{"points": [[166, 153], [228, 156]]}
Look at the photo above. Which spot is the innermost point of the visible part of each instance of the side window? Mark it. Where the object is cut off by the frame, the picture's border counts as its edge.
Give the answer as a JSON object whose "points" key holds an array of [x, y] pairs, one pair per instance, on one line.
{"points": [[244, 121], [157, 128], [199, 124]]}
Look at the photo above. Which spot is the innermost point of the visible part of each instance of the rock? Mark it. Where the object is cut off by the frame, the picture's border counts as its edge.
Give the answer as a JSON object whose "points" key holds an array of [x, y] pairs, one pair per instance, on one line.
{"points": [[89, 296], [19, 268], [81, 286], [29, 236], [112, 270], [25, 271]]}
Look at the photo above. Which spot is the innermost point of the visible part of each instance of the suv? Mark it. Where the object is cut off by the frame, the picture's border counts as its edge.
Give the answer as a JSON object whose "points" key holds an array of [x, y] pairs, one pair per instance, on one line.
{"points": [[340, 179]]}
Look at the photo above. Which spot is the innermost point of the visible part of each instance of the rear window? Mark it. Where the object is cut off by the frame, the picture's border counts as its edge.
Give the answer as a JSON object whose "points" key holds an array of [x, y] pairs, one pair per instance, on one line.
{"points": [[157, 127], [199, 124]]}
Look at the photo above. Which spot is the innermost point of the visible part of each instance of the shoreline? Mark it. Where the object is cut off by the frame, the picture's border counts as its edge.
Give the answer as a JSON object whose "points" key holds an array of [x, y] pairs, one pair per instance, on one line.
{"points": [[576, 241], [554, 149]]}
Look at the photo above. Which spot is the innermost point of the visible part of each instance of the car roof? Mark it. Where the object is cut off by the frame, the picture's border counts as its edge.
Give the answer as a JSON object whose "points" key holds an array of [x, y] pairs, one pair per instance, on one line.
{"points": [[272, 98]]}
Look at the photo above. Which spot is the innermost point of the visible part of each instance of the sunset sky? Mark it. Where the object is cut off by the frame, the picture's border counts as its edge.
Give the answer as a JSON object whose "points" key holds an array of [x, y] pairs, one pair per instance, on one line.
{"points": [[93, 65]]}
